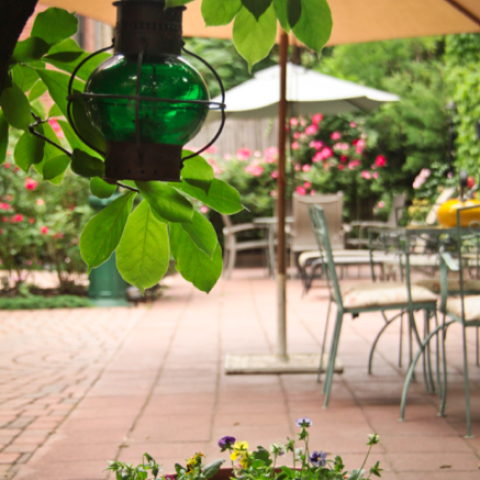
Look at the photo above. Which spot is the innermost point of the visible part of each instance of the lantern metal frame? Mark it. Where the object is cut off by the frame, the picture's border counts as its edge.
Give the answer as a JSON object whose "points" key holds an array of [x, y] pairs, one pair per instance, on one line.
{"points": [[138, 98]]}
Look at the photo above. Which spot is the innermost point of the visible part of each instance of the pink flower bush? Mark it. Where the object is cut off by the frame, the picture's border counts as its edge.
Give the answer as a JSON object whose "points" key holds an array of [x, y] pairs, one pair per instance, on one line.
{"points": [[257, 154], [212, 149], [4, 206], [317, 118], [7, 165], [273, 193], [295, 146], [343, 158], [297, 135], [381, 204], [44, 230], [255, 170], [56, 128], [18, 218], [381, 161], [421, 178], [31, 220], [216, 169], [244, 154], [336, 136], [307, 185], [353, 124], [271, 154], [5, 219], [366, 174], [30, 184], [204, 209], [301, 190], [274, 174], [313, 192], [311, 129], [294, 122], [341, 166], [353, 164], [316, 144], [40, 202], [306, 167], [375, 175], [341, 146]]}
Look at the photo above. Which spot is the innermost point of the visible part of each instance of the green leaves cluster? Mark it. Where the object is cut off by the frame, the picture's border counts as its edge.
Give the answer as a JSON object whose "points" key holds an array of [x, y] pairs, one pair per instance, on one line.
{"points": [[255, 22]]}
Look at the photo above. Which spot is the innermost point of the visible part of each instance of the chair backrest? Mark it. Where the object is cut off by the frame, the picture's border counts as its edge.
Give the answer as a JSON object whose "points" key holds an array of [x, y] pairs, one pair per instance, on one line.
{"points": [[447, 194], [398, 203], [303, 236], [322, 237], [227, 222]]}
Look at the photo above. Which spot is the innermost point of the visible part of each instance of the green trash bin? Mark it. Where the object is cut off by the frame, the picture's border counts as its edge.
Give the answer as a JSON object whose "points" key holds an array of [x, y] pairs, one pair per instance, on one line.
{"points": [[107, 288]]}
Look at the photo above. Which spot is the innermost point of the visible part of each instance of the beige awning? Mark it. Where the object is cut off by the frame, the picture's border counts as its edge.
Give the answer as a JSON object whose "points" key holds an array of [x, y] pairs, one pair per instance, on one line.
{"points": [[354, 20]]}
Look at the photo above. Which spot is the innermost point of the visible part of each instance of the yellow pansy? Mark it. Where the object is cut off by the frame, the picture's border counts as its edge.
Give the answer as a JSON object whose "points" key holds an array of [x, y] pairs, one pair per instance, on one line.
{"points": [[239, 450]]}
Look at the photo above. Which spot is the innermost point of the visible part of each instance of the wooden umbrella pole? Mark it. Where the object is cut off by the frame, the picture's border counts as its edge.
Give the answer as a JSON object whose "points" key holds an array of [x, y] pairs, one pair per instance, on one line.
{"points": [[281, 191]]}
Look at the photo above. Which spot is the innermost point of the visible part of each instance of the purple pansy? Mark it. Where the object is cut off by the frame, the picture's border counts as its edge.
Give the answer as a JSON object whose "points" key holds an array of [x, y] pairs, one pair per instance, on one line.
{"points": [[226, 442], [303, 422], [318, 459]]}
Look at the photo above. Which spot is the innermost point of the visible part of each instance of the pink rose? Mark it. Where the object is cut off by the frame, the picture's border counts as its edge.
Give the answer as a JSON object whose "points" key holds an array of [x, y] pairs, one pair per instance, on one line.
{"points": [[28, 262], [375, 175], [301, 190], [317, 145], [381, 204], [380, 161], [227, 156], [366, 174], [311, 130], [353, 124], [343, 158], [294, 122], [244, 154], [18, 218], [204, 209], [5, 219], [341, 166], [31, 220], [306, 168], [255, 170], [297, 167], [297, 135], [4, 206], [30, 184], [257, 153], [295, 146], [7, 165], [307, 185], [336, 136], [273, 193], [44, 230], [274, 174], [56, 128], [212, 149], [327, 152], [353, 164], [40, 202], [313, 192], [317, 118]]}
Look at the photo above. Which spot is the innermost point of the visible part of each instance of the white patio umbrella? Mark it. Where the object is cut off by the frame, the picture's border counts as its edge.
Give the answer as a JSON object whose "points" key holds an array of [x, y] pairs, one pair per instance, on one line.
{"points": [[310, 91]]}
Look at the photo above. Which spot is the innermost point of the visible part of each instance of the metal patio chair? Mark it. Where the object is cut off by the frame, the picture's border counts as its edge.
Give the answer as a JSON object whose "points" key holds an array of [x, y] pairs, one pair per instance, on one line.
{"points": [[364, 297], [460, 302]]}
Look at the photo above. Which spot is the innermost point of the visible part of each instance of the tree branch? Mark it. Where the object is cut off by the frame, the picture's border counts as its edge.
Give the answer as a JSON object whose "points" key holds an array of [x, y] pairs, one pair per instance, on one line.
{"points": [[14, 16]]}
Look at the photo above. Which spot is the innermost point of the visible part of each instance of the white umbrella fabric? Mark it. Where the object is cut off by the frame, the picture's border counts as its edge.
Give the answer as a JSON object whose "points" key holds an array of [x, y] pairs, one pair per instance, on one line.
{"points": [[311, 92]]}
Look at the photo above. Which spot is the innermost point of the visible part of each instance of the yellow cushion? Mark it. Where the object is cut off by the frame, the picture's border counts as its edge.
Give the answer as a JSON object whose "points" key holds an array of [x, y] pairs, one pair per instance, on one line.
{"points": [[433, 284], [378, 294], [472, 307]]}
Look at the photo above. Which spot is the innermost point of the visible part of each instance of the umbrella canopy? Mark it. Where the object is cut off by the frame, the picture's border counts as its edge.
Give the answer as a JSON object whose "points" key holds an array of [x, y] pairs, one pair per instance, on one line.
{"points": [[312, 92], [353, 20]]}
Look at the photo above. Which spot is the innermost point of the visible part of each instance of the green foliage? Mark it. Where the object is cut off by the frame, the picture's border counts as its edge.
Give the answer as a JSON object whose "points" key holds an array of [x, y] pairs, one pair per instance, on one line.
{"points": [[143, 252], [103, 232], [254, 38], [257, 7], [87, 166], [101, 189], [16, 108], [54, 25], [215, 13], [56, 166], [202, 233], [197, 172], [38, 302], [462, 58], [3, 138], [28, 151]]}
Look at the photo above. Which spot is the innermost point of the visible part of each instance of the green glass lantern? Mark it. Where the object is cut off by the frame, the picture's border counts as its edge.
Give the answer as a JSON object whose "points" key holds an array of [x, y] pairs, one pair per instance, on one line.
{"points": [[146, 100]]}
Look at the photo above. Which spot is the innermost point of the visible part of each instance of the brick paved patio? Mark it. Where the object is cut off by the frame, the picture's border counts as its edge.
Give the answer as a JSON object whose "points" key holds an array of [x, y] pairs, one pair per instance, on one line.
{"points": [[80, 387]]}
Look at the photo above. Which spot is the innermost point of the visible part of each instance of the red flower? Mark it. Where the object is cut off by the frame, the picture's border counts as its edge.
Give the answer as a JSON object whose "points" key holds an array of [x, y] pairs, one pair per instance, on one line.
{"points": [[18, 218], [341, 166], [44, 230], [343, 158], [31, 220], [317, 118], [7, 165], [30, 184], [301, 190], [4, 219], [380, 161], [336, 136], [4, 206]]}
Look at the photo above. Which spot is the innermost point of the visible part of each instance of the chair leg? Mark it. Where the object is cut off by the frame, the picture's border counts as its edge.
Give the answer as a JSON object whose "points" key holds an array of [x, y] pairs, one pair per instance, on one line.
{"points": [[445, 373], [477, 359], [400, 347], [333, 355], [309, 280], [465, 379], [322, 351], [426, 315], [231, 262]]}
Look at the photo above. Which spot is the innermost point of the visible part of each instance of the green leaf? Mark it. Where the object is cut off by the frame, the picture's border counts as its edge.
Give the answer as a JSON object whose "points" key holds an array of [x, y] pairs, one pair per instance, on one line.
{"points": [[254, 40], [37, 90], [202, 233], [281, 11], [57, 84], [54, 24], [166, 202], [220, 13], [3, 138], [56, 166], [194, 265], [38, 107], [257, 7], [356, 474], [87, 166], [294, 11], [212, 469], [29, 150], [315, 25], [197, 171], [24, 77], [55, 111], [176, 3], [143, 254], [16, 108], [103, 232], [49, 152], [101, 189], [29, 50], [221, 197], [67, 55], [84, 126], [74, 141]]}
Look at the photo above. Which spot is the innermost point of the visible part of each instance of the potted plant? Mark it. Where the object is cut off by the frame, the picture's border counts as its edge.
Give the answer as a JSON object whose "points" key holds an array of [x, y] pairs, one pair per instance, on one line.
{"points": [[260, 464]]}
